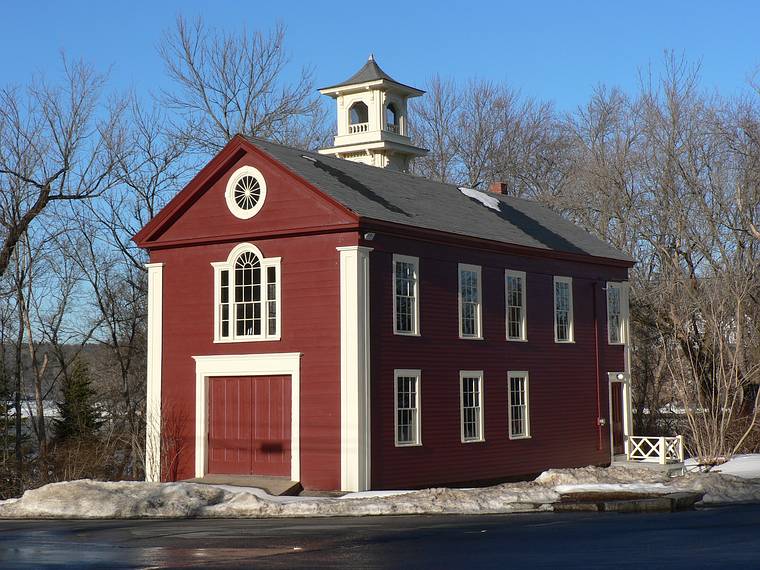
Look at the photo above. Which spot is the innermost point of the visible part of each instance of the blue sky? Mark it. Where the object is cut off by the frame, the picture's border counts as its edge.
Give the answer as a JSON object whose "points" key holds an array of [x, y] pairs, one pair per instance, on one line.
{"points": [[552, 50]]}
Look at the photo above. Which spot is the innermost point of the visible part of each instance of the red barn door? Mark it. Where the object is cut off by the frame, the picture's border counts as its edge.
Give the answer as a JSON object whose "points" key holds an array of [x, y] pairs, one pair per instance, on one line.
{"points": [[249, 425]]}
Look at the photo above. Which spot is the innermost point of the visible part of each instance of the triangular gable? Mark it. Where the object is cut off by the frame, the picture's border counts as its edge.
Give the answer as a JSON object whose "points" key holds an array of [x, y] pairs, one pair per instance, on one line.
{"points": [[198, 213]]}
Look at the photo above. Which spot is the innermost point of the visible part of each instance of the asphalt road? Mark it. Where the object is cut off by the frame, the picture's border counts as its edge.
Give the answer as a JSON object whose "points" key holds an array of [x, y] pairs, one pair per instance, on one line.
{"points": [[716, 538]]}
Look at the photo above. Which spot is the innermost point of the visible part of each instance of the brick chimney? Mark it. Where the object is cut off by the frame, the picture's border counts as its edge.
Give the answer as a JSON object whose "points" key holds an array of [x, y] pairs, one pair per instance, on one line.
{"points": [[498, 187]]}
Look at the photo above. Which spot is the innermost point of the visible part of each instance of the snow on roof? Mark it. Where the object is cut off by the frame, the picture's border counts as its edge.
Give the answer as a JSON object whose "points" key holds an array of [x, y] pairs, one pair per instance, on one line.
{"points": [[482, 197]]}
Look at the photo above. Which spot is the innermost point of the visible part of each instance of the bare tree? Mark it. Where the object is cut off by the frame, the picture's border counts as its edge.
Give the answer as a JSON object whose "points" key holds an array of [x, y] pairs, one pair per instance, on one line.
{"points": [[230, 83], [54, 145]]}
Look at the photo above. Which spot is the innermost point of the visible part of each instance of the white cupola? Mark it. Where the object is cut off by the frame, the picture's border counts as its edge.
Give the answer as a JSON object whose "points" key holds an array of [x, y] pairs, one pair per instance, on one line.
{"points": [[372, 119]]}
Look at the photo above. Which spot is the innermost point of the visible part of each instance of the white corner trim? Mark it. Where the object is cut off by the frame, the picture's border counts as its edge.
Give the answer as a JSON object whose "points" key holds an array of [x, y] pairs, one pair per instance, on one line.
{"points": [[283, 363], [153, 375], [354, 369]]}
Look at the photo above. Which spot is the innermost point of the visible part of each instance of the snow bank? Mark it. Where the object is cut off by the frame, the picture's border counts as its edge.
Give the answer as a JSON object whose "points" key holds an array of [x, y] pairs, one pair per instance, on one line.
{"points": [[88, 499], [94, 499], [747, 466], [591, 475]]}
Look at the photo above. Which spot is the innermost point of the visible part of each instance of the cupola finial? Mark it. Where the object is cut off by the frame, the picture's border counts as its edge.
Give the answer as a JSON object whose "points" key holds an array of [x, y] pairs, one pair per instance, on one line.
{"points": [[371, 57]]}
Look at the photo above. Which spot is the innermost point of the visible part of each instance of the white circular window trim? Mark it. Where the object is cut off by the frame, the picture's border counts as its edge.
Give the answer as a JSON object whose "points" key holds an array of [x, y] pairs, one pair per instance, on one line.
{"points": [[229, 193]]}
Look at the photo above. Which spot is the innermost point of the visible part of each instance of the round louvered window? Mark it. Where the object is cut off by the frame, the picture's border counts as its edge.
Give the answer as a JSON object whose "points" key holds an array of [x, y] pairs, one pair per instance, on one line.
{"points": [[245, 193]]}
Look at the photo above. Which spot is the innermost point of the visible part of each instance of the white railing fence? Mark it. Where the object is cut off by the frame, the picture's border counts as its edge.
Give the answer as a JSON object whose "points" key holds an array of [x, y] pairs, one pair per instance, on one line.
{"points": [[358, 128], [392, 127], [655, 449]]}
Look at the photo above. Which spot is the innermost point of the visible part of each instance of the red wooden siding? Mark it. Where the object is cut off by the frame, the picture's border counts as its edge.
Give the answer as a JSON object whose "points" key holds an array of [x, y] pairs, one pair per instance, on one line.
{"points": [[563, 383], [249, 425], [310, 319], [288, 206]]}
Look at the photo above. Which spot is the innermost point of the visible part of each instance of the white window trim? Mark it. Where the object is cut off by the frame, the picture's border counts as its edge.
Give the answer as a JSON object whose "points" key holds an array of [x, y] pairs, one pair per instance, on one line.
{"points": [[571, 320], [229, 192], [416, 262], [524, 326], [624, 311], [416, 373], [518, 374], [479, 316], [471, 374], [229, 265]]}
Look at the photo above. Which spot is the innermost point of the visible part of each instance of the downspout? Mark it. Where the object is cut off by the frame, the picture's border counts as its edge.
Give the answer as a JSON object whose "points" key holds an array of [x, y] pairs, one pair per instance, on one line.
{"points": [[598, 381]]}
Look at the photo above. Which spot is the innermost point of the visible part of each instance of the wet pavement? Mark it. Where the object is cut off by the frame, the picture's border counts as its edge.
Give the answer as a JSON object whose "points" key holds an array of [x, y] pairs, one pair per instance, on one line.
{"points": [[714, 538]]}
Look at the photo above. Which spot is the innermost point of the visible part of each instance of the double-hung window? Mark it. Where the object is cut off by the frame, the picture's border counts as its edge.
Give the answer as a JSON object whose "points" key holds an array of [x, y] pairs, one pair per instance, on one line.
{"points": [[617, 313], [247, 296], [519, 417], [406, 305], [514, 283], [407, 407], [470, 310], [471, 402], [563, 309]]}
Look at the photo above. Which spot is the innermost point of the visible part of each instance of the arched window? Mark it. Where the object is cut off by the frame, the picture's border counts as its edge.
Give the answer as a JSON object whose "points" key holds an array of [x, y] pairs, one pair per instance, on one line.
{"points": [[358, 117], [391, 118], [248, 296]]}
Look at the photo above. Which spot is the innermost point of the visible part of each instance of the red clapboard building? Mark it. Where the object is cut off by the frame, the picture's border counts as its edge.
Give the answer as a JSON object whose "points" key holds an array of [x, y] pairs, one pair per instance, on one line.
{"points": [[327, 318]]}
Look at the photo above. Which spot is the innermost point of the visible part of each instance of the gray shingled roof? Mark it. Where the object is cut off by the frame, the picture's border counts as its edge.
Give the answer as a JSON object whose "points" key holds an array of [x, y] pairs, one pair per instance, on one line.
{"points": [[392, 196], [370, 71]]}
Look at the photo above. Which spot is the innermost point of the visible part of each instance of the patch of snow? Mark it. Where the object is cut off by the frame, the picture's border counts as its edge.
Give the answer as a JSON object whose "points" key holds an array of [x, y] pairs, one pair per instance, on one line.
{"points": [[89, 499], [262, 494], [747, 466], [482, 197], [372, 494], [593, 475], [649, 488]]}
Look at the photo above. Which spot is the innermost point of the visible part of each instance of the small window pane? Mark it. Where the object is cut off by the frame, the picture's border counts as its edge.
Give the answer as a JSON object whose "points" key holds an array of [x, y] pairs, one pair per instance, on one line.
{"points": [[515, 285], [469, 291], [562, 310], [407, 410], [405, 291], [614, 320], [471, 408], [518, 406]]}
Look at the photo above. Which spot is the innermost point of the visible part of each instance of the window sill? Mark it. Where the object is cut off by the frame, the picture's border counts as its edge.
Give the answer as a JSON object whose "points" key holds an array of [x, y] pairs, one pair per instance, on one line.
{"points": [[563, 341], [471, 337], [518, 437], [616, 343], [483, 440], [517, 339], [409, 444], [401, 333], [238, 340]]}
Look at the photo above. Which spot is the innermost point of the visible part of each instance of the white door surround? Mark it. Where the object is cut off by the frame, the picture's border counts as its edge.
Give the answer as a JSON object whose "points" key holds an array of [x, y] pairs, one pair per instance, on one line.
{"points": [[276, 364], [626, 405]]}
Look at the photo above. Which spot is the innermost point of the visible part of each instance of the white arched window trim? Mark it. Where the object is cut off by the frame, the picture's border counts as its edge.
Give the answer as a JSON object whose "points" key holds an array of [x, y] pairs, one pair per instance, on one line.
{"points": [[266, 298]]}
